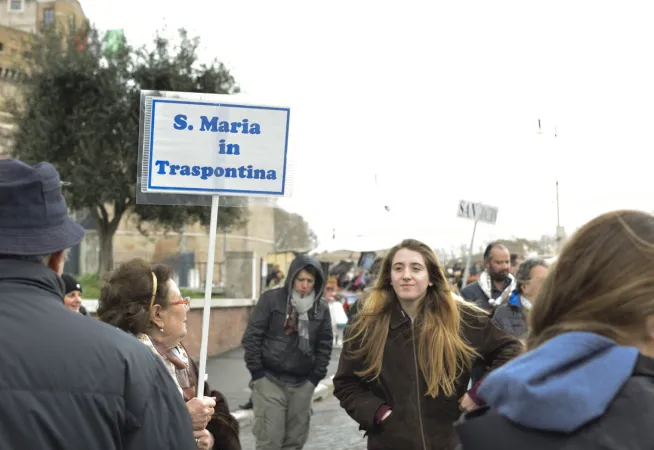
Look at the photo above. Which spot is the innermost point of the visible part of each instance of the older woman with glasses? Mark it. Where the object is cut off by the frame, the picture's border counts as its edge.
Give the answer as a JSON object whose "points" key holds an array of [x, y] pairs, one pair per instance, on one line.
{"points": [[146, 302]]}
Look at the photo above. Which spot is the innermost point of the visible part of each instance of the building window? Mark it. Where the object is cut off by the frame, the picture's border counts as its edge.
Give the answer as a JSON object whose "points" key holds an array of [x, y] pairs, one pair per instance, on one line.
{"points": [[16, 5], [2, 47], [48, 16], [71, 22]]}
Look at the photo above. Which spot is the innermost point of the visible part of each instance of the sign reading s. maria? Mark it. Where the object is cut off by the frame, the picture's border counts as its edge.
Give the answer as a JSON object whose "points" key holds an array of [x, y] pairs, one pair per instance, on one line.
{"points": [[200, 147], [194, 145]]}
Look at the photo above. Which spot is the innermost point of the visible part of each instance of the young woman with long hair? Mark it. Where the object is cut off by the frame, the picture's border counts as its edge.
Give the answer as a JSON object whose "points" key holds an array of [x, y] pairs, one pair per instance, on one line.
{"points": [[587, 381], [406, 361]]}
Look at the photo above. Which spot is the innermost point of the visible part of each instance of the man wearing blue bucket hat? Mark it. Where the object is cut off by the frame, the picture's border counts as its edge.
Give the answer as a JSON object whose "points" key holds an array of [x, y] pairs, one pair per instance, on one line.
{"points": [[66, 381]]}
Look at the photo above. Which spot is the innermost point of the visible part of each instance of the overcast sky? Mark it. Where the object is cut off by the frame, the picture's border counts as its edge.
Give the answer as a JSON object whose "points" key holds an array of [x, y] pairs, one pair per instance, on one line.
{"points": [[439, 103]]}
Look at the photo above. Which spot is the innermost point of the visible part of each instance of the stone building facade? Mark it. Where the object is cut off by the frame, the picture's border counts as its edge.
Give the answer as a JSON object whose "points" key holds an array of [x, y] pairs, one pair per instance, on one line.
{"points": [[256, 237]]}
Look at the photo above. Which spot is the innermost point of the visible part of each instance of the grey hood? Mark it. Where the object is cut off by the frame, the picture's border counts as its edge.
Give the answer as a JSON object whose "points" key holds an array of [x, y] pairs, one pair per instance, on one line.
{"points": [[299, 263]]}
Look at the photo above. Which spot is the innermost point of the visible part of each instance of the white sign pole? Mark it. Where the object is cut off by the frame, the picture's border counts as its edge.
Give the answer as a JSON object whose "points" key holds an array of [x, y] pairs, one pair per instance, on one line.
{"points": [[466, 272], [208, 288]]}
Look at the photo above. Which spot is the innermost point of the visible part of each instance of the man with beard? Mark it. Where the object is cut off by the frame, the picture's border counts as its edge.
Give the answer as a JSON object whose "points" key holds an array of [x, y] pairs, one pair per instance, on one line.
{"points": [[495, 283], [493, 288]]}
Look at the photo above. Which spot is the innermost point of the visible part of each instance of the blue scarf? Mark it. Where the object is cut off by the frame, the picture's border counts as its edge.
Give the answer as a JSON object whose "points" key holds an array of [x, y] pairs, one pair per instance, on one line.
{"points": [[518, 301], [514, 299]]}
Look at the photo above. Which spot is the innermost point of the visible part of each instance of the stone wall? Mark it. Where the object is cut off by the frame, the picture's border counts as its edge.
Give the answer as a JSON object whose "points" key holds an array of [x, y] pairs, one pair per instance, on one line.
{"points": [[89, 252], [257, 236], [31, 17], [239, 273], [67, 13], [10, 75], [227, 325], [25, 20]]}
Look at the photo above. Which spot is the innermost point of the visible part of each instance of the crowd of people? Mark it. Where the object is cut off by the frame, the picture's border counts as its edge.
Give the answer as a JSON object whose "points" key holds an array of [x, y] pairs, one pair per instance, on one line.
{"points": [[526, 356]]}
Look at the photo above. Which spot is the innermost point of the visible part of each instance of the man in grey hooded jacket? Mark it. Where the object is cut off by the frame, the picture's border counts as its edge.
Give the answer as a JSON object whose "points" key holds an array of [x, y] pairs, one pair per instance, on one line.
{"points": [[288, 345]]}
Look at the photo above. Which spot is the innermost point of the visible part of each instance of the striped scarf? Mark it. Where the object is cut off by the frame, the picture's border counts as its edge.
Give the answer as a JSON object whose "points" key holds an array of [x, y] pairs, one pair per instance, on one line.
{"points": [[178, 353]]}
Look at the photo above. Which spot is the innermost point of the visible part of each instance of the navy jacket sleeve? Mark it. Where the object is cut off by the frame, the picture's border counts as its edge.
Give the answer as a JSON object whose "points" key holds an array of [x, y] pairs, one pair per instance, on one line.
{"points": [[157, 417]]}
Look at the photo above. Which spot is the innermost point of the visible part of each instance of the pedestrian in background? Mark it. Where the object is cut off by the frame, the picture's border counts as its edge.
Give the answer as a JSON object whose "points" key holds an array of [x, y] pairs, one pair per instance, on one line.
{"points": [[496, 283], [272, 273], [68, 382], [512, 315], [73, 294], [276, 281], [288, 346]]}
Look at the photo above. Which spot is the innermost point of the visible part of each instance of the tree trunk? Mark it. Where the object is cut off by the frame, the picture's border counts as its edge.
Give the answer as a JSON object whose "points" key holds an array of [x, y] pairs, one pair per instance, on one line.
{"points": [[106, 230], [106, 256]]}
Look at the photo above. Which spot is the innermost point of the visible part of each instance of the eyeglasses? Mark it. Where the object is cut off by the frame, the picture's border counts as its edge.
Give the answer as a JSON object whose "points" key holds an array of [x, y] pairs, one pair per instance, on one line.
{"points": [[186, 301]]}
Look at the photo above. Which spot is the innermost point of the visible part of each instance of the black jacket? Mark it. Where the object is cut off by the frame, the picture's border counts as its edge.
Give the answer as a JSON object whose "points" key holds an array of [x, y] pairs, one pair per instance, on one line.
{"points": [[268, 349], [626, 425], [474, 293], [67, 382], [511, 319]]}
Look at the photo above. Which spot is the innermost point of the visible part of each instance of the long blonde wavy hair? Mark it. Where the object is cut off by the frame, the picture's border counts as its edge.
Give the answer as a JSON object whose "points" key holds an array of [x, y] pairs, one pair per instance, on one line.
{"points": [[443, 356]]}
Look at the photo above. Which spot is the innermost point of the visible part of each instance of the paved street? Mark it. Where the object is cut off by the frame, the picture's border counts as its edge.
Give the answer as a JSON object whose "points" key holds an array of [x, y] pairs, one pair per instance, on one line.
{"points": [[331, 429], [227, 374]]}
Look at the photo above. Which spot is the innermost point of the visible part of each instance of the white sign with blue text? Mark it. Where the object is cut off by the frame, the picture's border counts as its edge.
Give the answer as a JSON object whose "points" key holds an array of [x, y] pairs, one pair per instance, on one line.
{"points": [[198, 147]]}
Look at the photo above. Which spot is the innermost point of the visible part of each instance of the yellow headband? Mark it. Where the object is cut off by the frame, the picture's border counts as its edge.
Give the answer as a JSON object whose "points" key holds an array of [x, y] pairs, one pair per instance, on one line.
{"points": [[154, 290]]}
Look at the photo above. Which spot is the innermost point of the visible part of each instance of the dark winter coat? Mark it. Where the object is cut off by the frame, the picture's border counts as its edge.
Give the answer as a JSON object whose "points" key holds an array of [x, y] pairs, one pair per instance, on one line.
{"points": [[475, 294], [417, 421], [269, 350], [626, 425], [67, 382], [511, 319]]}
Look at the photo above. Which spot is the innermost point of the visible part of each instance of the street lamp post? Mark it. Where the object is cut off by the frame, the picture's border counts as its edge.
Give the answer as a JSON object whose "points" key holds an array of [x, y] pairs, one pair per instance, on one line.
{"points": [[560, 233]]}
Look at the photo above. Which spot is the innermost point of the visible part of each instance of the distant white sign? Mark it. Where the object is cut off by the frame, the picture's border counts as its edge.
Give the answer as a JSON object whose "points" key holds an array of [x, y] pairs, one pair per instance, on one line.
{"points": [[477, 211], [197, 147]]}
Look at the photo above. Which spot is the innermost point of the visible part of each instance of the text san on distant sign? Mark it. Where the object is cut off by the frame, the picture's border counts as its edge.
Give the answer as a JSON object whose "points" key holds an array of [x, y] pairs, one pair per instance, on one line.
{"points": [[203, 147], [477, 211]]}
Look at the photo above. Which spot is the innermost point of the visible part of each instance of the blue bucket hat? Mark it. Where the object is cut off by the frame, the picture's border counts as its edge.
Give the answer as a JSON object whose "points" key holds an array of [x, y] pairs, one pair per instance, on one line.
{"points": [[34, 218]]}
